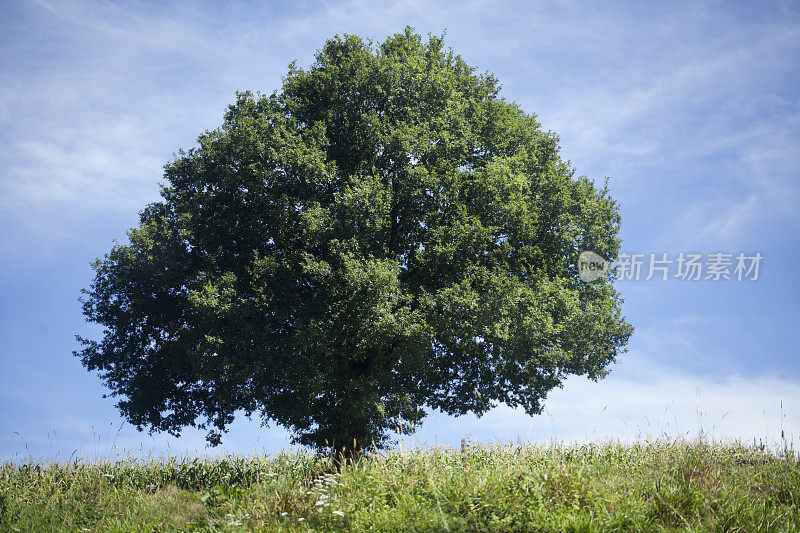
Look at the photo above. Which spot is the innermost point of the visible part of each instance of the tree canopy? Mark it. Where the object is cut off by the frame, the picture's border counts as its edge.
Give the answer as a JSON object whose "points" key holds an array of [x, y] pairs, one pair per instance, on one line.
{"points": [[384, 236]]}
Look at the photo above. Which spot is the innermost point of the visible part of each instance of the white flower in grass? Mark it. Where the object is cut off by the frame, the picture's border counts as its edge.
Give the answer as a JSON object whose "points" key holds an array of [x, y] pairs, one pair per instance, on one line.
{"points": [[301, 519], [338, 513], [284, 513]]}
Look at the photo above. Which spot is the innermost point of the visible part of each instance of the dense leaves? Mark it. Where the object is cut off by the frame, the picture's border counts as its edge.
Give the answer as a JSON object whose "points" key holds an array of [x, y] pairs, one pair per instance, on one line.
{"points": [[383, 235]]}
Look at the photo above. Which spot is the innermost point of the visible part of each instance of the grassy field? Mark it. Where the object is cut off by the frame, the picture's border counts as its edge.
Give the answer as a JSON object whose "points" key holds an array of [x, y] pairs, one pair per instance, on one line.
{"points": [[608, 487]]}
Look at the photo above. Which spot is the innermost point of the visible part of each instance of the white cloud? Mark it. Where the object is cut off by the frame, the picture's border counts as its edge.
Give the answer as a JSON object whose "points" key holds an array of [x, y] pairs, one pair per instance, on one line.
{"points": [[676, 381], [671, 406], [691, 110], [120, 88], [659, 405], [701, 141]]}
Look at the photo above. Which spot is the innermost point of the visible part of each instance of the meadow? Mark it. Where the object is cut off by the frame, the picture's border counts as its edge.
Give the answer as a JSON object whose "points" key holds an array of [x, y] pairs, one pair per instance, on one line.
{"points": [[643, 486]]}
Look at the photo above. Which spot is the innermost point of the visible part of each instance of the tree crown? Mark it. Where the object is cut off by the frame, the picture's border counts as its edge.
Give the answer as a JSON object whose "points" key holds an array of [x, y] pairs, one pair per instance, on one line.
{"points": [[384, 234]]}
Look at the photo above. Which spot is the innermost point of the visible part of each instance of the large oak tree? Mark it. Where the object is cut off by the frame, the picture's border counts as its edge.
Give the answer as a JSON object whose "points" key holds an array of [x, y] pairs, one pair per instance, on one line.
{"points": [[383, 236]]}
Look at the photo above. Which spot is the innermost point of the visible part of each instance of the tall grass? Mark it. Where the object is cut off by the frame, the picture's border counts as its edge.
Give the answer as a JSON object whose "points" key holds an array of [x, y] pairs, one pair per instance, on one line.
{"points": [[609, 487]]}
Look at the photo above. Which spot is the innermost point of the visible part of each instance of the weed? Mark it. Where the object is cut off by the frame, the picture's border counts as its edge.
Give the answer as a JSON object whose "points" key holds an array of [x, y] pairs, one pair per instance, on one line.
{"points": [[642, 486]]}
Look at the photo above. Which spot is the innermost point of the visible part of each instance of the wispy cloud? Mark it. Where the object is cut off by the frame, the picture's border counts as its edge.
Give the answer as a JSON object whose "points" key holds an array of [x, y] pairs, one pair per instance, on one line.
{"points": [[691, 109], [674, 406], [119, 88], [670, 405], [703, 137]]}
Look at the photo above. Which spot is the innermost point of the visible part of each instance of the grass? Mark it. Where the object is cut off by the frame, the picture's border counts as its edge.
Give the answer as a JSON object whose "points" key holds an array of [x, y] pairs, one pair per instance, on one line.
{"points": [[610, 487]]}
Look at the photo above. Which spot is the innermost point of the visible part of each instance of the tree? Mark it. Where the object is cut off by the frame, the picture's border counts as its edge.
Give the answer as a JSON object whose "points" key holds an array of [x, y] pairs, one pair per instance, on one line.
{"points": [[384, 236]]}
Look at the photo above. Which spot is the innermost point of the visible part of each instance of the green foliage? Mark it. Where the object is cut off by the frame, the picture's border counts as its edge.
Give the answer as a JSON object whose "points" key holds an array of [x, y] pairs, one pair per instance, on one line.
{"points": [[384, 235], [608, 487], [221, 494]]}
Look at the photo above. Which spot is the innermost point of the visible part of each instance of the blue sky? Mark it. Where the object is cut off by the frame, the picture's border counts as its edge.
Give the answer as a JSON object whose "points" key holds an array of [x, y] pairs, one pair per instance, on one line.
{"points": [[692, 110]]}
